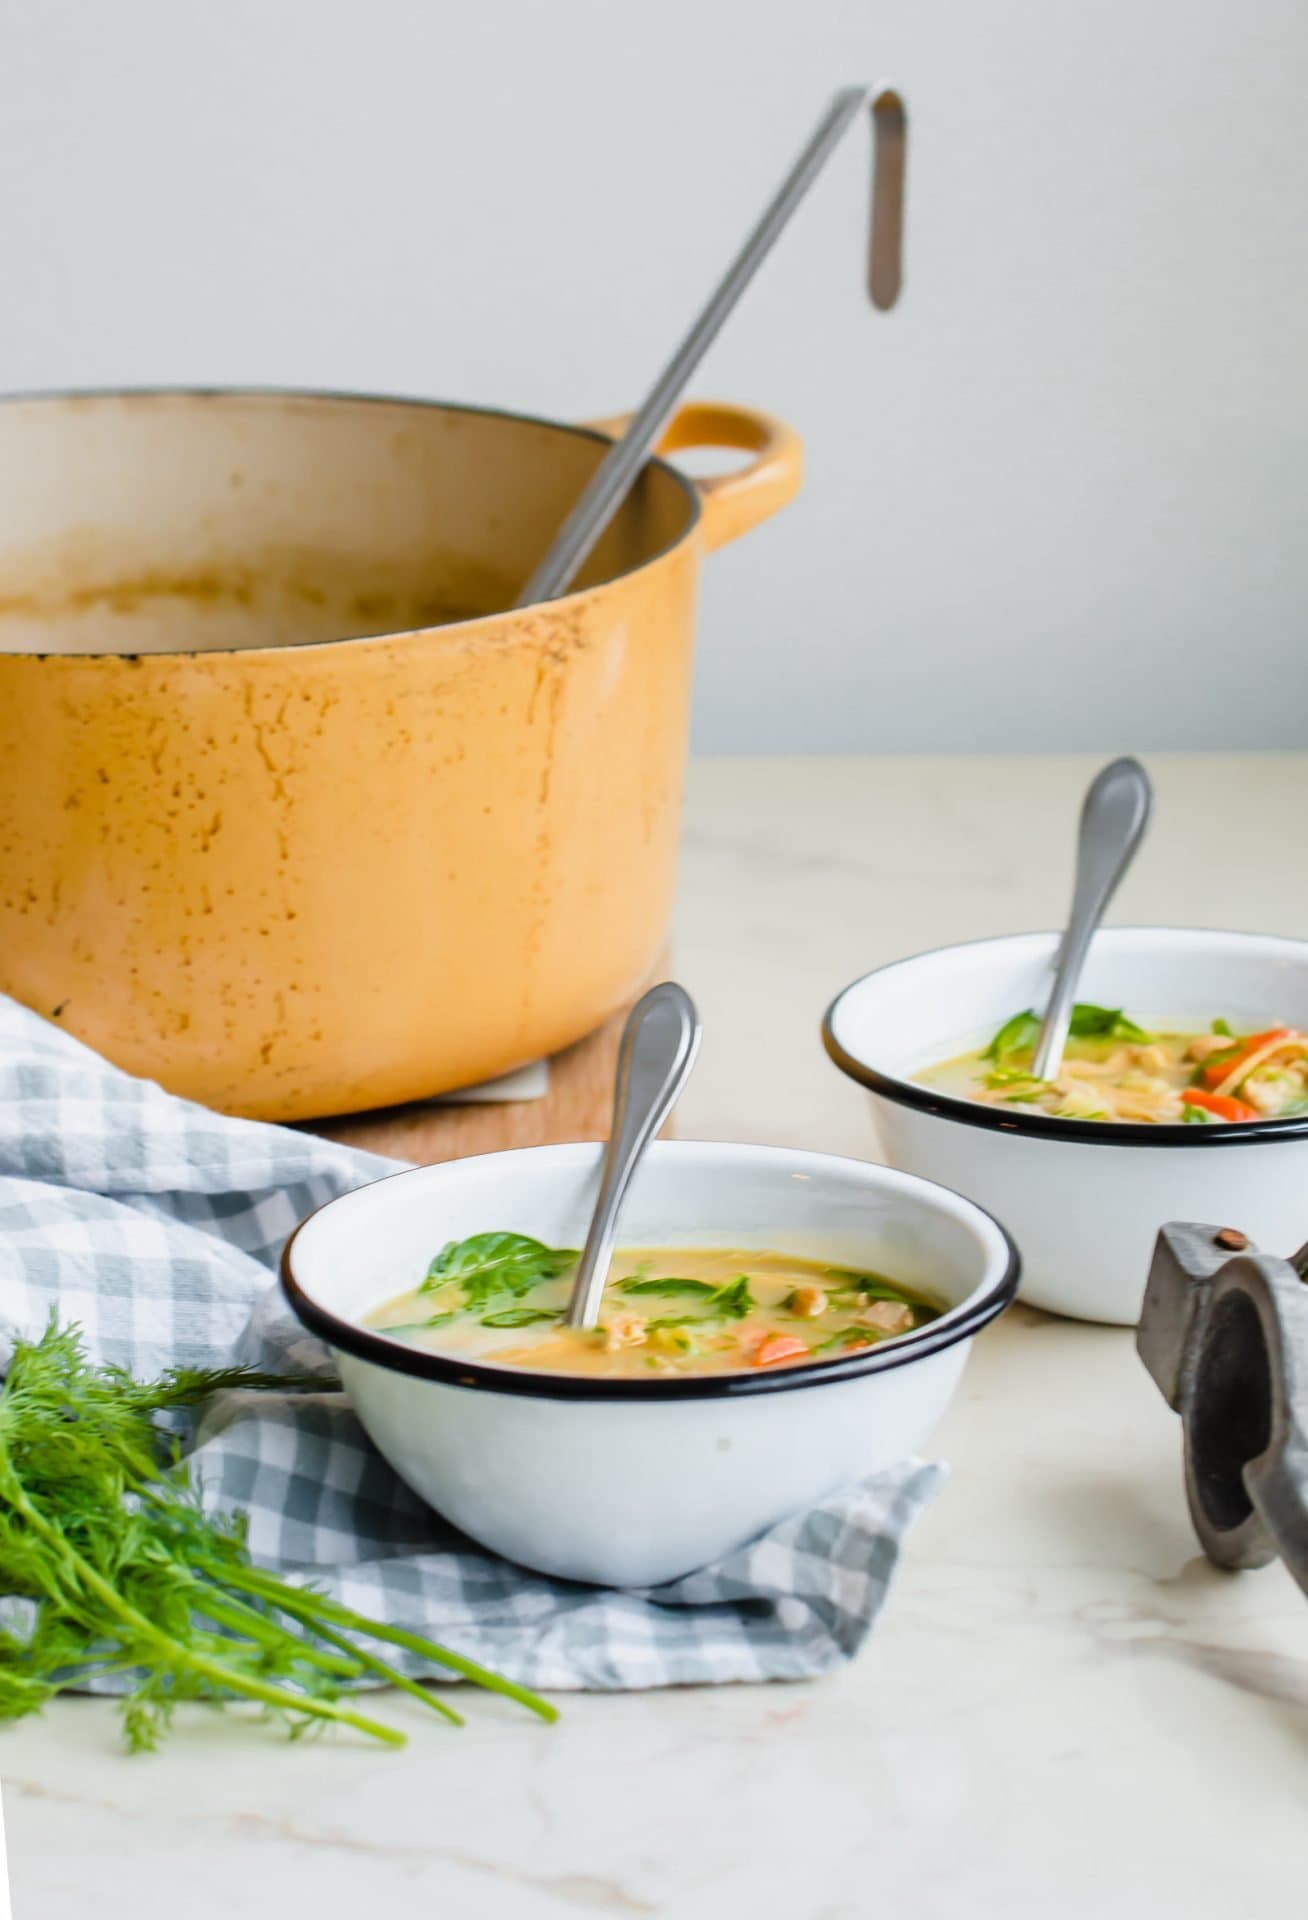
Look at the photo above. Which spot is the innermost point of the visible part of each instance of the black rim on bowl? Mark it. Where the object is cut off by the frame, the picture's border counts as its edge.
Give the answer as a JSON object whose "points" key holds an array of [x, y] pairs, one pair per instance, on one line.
{"points": [[364, 1343], [1043, 1126]]}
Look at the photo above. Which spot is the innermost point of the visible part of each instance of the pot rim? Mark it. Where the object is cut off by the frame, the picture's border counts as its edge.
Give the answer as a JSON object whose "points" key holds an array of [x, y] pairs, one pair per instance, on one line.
{"points": [[986, 1302], [691, 492], [1039, 1126]]}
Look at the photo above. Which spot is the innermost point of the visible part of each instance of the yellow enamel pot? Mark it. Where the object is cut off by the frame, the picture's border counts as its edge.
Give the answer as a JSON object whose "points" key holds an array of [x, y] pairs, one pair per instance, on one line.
{"points": [[294, 819]]}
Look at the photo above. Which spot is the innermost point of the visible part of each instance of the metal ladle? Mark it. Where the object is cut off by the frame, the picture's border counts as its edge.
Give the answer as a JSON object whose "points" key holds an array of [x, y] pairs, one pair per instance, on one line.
{"points": [[609, 485], [1114, 815], [655, 1056]]}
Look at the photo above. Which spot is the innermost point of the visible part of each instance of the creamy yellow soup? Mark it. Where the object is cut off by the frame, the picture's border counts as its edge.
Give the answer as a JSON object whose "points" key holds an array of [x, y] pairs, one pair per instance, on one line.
{"points": [[667, 1311], [1115, 1071]]}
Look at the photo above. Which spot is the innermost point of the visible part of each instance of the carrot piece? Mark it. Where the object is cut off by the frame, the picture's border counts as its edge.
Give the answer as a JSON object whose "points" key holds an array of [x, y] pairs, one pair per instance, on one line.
{"points": [[1221, 1105], [1214, 1075], [778, 1347]]}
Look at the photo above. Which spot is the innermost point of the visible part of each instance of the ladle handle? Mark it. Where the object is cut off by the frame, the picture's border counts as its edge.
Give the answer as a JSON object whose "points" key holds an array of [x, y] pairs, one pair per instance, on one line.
{"points": [[1114, 816], [655, 1055], [608, 486]]}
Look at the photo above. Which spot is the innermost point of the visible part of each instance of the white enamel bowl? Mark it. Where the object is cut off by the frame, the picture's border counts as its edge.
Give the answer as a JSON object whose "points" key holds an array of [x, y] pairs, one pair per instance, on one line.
{"points": [[1084, 1200], [633, 1482]]}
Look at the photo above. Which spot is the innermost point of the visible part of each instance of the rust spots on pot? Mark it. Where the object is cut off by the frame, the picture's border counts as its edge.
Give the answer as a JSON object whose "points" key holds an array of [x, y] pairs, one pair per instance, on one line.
{"points": [[297, 815]]}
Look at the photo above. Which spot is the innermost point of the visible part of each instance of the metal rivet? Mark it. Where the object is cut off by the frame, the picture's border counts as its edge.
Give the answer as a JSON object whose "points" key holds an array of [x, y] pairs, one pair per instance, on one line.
{"points": [[1232, 1239]]}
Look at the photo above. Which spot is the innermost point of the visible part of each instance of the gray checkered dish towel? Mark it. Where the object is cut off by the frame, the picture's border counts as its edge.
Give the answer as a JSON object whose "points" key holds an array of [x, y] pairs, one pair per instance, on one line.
{"points": [[157, 1226]]}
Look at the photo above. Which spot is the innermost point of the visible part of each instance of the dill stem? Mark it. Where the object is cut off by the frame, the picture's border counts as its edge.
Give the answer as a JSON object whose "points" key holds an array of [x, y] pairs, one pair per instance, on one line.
{"points": [[392, 1675], [181, 1657], [258, 1628], [254, 1579]]}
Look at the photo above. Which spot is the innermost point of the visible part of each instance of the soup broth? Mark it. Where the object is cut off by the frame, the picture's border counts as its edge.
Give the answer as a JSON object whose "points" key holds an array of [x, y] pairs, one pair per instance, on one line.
{"points": [[1114, 1071], [666, 1311]]}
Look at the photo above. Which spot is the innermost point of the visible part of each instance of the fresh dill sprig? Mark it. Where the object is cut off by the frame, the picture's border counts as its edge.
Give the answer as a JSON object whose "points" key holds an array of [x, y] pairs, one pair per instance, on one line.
{"points": [[103, 1536]]}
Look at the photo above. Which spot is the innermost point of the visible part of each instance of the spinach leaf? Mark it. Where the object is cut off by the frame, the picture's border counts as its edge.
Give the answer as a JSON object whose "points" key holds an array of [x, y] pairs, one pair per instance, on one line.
{"points": [[872, 1286], [875, 1286], [1088, 1023], [1106, 1023], [733, 1302], [847, 1337], [417, 1326], [661, 1287], [1021, 1031], [520, 1317], [493, 1263]]}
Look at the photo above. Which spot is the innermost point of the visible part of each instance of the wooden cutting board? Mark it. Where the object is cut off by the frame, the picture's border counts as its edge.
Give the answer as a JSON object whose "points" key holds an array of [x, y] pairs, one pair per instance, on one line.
{"points": [[578, 1106]]}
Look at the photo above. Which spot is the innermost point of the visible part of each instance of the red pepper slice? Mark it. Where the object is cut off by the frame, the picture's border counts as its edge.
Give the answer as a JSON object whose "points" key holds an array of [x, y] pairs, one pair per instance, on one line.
{"points": [[1214, 1075], [1222, 1106], [778, 1347]]}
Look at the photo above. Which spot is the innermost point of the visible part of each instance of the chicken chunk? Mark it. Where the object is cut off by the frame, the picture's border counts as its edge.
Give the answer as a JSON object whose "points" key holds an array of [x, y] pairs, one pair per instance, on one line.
{"points": [[1206, 1044], [1270, 1092], [887, 1316], [623, 1330]]}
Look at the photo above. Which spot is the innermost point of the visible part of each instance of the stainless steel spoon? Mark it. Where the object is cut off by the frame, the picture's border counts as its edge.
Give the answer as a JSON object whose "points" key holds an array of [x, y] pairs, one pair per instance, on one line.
{"points": [[1114, 815], [655, 1056], [608, 486]]}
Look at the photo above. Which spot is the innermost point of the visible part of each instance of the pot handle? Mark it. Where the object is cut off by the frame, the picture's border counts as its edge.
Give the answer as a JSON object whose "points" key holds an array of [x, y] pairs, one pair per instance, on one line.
{"points": [[733, 502]]}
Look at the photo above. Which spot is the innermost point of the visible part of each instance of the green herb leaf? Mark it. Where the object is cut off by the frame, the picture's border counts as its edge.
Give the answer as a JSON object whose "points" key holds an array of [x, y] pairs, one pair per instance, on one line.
{"points": [[685, 1344], [1222, 1026], [733, 1302], [493, 1263], [417, 1326], [1197, 1116], [1015, 1034], [1087, 1023], [847, 1337], [1103, 1023], [520, 1317], [872, 1286], [103, 1533], [666, 1286]]}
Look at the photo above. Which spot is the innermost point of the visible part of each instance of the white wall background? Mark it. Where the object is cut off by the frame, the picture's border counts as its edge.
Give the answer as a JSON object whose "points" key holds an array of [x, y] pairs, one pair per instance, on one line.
{"points": [[1058, 498]]}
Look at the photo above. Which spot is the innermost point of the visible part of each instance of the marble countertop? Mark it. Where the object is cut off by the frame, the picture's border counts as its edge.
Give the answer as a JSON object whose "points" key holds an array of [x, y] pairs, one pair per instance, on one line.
{"points": [[1064, 1710]]}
